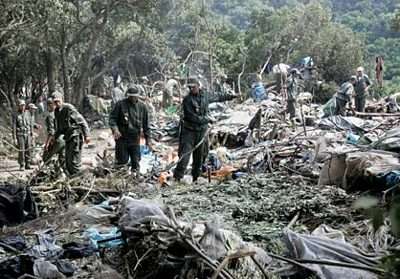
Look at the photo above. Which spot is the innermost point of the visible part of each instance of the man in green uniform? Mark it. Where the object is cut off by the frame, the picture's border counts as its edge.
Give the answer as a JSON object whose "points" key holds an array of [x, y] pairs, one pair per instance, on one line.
{"points": [[361, 88], [52, 147], [344, 95], [194, 135], [22, 135], [71, 124], [292, 92], [128, 118]]}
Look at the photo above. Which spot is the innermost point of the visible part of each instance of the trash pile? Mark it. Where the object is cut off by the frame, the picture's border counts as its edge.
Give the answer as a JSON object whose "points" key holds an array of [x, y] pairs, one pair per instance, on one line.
{"points": [[126, 237]]}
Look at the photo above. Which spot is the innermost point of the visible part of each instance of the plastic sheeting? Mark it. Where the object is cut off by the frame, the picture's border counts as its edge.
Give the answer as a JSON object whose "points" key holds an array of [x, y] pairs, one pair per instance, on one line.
{"points": [[341, 123], [327, 244], [390, 141], [46, 270], [135, 212]]}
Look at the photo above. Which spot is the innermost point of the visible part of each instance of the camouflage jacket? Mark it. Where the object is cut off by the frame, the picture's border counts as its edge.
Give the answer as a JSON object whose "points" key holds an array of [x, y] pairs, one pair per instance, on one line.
{"points": [[69, 122]]}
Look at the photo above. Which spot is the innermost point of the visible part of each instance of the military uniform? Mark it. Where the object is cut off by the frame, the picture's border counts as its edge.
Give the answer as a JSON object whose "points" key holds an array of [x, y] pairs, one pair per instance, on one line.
{"points": [[57, 147], [71, 124], [33, 126], [361, 94], [193, 130], [343, 97], [129, 119], [22, 133], [292, 92]]}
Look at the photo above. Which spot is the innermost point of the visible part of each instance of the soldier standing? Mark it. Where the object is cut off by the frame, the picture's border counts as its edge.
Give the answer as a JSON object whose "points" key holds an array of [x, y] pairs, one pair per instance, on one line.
{"points": [[344, 96], [22, 135], [56, 146], [32, 108], [71, 124], [194, 137], [128, 118], [361, 88], [292, 92]]}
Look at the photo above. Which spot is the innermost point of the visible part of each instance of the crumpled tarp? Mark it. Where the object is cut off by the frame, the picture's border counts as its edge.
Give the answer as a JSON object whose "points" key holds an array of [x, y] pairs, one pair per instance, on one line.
{"points": [[135, 212], [45, 269], [327, 244], [390, 141], [340, 123]]}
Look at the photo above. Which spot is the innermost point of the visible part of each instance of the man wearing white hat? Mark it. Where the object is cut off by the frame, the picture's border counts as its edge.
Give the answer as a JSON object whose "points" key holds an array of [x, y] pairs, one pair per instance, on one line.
{"points": [[361, 87], [32, 108], [21, 130]]}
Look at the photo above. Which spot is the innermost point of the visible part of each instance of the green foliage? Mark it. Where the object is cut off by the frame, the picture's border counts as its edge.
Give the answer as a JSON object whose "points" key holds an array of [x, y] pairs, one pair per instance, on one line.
{"points": [[144, 37], [308, 30]]}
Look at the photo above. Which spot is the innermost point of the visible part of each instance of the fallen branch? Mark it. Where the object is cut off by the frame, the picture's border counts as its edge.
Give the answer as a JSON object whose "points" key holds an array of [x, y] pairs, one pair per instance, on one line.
{"points": [[237, 255]]}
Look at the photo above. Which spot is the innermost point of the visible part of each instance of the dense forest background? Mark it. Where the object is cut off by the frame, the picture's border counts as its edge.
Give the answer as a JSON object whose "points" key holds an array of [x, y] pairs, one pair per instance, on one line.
{"points": [[72, 45]]}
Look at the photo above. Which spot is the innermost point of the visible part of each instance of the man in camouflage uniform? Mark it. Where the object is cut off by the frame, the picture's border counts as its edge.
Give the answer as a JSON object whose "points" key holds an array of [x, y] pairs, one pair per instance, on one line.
{"points": [[361, 88], [292, 93], [32, 108], [71, 124], [52, 147], [194, 137], [128, 118], [344, 95], [22, 135]]}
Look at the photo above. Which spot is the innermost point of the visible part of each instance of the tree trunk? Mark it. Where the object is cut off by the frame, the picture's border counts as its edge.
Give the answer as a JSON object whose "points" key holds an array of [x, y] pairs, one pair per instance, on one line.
{"points": [[80, 82], [64, 67], [50, 68]]}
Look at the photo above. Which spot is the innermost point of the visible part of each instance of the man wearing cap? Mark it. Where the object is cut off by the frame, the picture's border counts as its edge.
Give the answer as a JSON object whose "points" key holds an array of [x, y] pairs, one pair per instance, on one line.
{"points": [[22, 135], [344, 95], [128, 118], [52, 147], [361, 88], [194, 127], [32, 108], [71, 124]]}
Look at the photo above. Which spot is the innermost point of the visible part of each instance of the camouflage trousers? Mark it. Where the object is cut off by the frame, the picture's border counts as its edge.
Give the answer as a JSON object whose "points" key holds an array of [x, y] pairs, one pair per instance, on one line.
{"points": [[56, 148], [24, 150], [73, 154]]}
